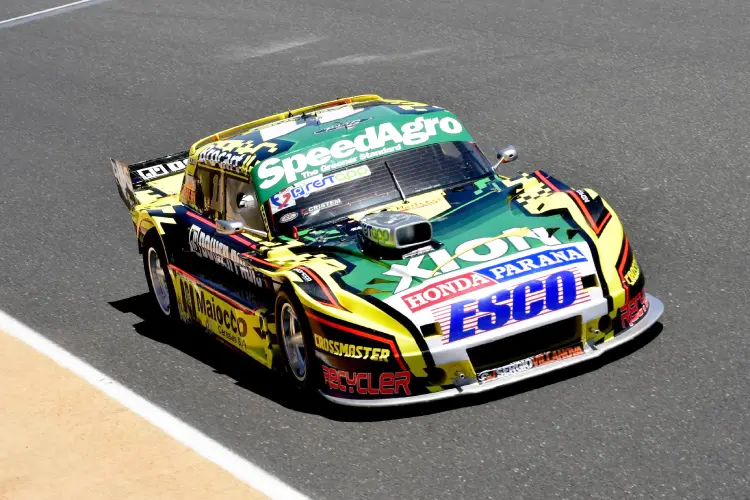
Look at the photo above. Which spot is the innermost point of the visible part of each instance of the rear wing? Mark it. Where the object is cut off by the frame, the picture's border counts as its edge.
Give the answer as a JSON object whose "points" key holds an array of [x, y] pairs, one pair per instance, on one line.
{"points": [[157, 176]]}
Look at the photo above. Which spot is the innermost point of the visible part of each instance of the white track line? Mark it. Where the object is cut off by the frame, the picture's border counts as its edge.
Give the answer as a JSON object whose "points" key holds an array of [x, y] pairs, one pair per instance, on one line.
{"points": [[205, 446], [14, 21]]}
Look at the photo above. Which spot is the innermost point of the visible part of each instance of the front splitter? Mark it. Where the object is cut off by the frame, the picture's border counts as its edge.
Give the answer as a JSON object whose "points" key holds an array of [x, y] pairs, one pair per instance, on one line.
{"points": [[656, 309]]}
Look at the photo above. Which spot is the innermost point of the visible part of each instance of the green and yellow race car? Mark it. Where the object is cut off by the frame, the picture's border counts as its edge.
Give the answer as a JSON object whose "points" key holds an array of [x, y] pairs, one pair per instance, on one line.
{"points": [[367, 249]]}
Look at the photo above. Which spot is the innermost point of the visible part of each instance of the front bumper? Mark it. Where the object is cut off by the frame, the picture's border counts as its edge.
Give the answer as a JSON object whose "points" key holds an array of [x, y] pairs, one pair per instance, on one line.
{"points": [[656, 308]]}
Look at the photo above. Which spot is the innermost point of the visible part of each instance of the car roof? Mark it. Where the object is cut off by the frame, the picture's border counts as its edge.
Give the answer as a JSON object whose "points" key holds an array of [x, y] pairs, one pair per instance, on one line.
{"points": [[296, 134], [298, 129]]}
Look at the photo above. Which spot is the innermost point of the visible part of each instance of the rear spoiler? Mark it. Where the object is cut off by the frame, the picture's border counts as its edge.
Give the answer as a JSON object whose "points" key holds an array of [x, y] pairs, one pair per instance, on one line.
{"points": [[139, 176]]}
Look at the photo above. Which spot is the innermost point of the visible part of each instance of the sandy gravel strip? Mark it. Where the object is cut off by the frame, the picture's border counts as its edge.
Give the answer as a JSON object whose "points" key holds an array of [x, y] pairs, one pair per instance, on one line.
{"points": [[62, 437]]}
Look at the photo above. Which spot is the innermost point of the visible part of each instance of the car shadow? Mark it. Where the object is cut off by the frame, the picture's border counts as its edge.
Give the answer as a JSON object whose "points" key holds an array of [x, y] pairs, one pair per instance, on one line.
{"points": [[223, 359], [251, 376]]}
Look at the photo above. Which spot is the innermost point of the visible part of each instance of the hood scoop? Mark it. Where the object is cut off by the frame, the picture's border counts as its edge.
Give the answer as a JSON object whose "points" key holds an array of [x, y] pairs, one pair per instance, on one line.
{"points": [[394, 234]]}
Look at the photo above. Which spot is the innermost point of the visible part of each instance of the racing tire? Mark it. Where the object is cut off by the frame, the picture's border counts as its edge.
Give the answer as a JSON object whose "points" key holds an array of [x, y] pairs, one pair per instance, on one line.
{"points": [[301, 368], [155, 265]]}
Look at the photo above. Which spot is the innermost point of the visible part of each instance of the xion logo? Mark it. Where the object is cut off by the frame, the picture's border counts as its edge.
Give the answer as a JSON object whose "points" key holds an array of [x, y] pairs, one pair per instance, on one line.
{"points": [[469, 252], [418, 131], [526, 301], [208, 247]]}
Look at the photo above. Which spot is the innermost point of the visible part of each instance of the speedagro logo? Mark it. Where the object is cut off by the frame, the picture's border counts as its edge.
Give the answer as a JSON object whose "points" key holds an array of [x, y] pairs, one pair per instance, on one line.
{"points": [[375, 141]]}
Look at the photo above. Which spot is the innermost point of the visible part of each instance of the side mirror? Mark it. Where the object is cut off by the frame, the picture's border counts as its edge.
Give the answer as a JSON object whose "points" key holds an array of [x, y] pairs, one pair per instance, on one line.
{"points": [[507, 155], [229, 226]]}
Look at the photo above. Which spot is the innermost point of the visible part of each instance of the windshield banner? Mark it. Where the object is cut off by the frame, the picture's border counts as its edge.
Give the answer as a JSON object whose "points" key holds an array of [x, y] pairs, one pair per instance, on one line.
{"points": [[401, 133]]}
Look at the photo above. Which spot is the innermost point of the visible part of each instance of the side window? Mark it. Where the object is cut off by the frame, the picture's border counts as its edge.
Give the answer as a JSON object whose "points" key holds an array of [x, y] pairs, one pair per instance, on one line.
{"points": [[209, 195], [242, 204]]}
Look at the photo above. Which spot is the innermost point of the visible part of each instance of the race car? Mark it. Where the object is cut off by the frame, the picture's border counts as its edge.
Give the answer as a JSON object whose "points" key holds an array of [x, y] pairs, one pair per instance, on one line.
{"points": [[369, 251]]}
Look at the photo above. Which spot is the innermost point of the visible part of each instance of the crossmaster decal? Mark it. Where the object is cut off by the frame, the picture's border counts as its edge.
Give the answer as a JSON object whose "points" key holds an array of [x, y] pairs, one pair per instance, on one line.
{"points": [[501, 308]]}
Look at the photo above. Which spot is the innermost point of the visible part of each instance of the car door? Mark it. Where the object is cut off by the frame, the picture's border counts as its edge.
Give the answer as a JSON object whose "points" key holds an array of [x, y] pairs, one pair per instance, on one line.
{"points": [[223, 291]]}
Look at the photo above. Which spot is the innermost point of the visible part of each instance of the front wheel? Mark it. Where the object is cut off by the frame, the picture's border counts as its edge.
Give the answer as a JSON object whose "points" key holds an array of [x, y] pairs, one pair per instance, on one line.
{"points": [[295, 341], [157, 275]]}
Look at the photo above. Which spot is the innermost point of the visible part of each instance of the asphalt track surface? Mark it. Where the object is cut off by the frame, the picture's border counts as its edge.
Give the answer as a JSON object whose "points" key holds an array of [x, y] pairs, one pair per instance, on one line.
{"points": [[645, 101]]}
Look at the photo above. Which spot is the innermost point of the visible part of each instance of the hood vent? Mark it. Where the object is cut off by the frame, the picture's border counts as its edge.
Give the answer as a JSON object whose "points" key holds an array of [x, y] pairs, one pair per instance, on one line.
{"points": [[394, 232]]}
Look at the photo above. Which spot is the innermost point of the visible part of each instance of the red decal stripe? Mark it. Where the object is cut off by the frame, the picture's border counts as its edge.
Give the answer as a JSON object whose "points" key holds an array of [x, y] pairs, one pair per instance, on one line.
{"points": [[322, 285], [202, 219], [621, 269], [597, 229], [545, 181], [265, 262], [214, 291], [242, 240]]}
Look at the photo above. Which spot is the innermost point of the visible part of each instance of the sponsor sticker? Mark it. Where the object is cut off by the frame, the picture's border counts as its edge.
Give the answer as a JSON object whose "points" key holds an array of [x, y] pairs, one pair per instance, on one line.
{"points": [[523, 365], [288, 217], [633, 273], [448, 289], [632, 312], [213, 312], [282, 200], [351, 350], [288, 197], [445, 290], [528, 300], [206, 246], [314, 209], [533, 263], [347, 125], [305, 189], [469, 252], [157, 171], [365, 383], [275, 173]]}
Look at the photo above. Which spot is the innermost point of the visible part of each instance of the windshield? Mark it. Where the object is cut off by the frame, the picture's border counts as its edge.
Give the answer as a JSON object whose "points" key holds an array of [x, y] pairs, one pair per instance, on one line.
{"points": [[368, 184]]}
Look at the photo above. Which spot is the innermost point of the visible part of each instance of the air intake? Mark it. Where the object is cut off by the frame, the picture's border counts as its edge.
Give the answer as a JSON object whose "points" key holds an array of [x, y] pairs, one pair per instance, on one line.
{"points": [[396, 230]]}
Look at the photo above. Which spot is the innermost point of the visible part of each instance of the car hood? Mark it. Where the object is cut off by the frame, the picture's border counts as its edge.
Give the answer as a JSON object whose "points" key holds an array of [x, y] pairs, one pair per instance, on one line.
{"points": [[478, 226]]}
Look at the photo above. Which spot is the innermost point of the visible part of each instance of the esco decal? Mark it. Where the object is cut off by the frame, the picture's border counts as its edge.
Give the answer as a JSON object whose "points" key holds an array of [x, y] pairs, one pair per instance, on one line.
{"points": [[523, 302]]}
